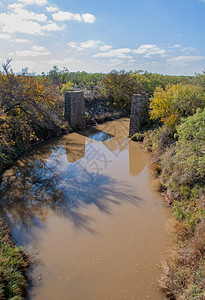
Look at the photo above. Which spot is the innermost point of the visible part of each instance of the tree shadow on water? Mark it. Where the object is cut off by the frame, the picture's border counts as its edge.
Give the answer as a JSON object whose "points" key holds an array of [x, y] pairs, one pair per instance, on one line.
{"points": [[31, 191]]}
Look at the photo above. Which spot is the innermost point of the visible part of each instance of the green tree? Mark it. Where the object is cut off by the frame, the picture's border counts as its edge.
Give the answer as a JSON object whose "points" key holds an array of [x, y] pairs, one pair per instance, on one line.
{"points": [[120, 86], [148, 82], [54, 76]]}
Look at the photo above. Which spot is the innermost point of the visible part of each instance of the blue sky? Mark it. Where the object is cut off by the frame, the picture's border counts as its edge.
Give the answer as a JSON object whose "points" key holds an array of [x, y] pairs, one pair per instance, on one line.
{"points": [[163, 36]]}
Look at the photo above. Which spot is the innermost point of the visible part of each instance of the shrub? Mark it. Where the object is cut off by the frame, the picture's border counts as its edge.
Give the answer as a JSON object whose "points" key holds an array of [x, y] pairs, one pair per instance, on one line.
{"points": [[120, 87], [159, 140], [183, 170], [176, 102], [30, 110]]}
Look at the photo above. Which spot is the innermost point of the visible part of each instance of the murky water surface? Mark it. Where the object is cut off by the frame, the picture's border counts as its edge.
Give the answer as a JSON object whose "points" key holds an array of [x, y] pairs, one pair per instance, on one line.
{"points": [[82, 207]]}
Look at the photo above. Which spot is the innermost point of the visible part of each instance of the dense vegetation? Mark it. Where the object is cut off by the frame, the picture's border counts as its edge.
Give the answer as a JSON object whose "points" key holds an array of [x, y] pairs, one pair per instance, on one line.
{"points": [[13, 263], [178, 148], [31, 110], [145, 81]]}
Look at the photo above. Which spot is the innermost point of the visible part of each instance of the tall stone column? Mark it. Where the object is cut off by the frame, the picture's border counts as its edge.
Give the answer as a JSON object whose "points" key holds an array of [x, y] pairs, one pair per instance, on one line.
{"points": [[139, 113], [75, 110]]}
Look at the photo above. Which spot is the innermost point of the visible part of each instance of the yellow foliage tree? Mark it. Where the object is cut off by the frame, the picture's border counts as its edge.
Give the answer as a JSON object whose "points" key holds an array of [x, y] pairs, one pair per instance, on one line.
{"points": [[176, 102], [29, 108]]}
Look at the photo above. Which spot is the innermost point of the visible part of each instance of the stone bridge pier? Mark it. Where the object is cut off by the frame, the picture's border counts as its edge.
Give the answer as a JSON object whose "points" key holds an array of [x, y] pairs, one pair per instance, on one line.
{"points": [[139, 116], [75, 110]]}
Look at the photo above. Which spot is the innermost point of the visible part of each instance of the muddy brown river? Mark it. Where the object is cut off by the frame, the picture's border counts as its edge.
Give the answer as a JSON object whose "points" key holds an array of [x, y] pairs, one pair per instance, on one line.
{"points": [[82, 207]]}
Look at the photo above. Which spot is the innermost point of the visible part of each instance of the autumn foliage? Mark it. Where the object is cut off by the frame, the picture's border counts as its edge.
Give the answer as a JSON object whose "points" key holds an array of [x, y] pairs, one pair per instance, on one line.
{"points": [[30, 110], [175, 102], [120, 87]]}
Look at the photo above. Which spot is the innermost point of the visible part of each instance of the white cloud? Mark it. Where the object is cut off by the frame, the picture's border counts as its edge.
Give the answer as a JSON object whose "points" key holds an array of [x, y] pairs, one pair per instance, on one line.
{"points": [[105, 48], [60, 62], [66, 16], [4, 36], [188, 50], [22, 41], [116, 53], [115, 61], [35, 51], [176, 46], [1, 4], [74, 45], [15, 6], [51, 26], [150, 50], [38, 48], [88, 18], [183, 59], [24, 21], [26, 14], [52, 8], [21, 20], [90, 44], [84, 45], [13, 23], [35, 2]]}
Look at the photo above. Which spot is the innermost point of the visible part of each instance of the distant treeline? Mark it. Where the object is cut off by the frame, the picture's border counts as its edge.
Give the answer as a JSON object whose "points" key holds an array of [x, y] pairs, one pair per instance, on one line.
{"points": [[116, 86], [146, 81]]}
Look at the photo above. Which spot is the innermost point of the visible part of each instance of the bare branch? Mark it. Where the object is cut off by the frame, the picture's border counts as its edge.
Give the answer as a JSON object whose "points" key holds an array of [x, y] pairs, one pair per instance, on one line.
{"points": [[6, 66]]}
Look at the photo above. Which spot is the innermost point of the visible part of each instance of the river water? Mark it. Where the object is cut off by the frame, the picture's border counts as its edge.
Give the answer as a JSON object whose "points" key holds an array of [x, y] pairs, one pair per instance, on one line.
{"points": [[83, 209]]}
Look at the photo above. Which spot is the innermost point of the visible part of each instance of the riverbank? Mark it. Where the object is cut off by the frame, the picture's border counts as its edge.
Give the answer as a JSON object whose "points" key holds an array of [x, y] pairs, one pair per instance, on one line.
{"points": [[177, 157], [13, 264]]}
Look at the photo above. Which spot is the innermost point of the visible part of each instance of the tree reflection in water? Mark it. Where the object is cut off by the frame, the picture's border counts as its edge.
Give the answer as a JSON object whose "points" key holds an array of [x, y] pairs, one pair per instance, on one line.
{"points": [[43, 184]]}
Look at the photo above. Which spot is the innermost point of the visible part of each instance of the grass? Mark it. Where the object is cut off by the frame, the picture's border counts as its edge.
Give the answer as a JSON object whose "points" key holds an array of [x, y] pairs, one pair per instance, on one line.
{"points": [[13, 264], [179, 162], [184, 269]]}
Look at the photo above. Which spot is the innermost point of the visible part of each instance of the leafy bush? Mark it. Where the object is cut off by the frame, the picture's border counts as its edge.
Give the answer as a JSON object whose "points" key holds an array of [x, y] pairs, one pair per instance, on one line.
{"points": [[120, 87], [13, 263], [159, 140], [30, 110], [183, 169], [181, 155], [66, 87], [148, 82], [176, 102], [180, 152]]}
